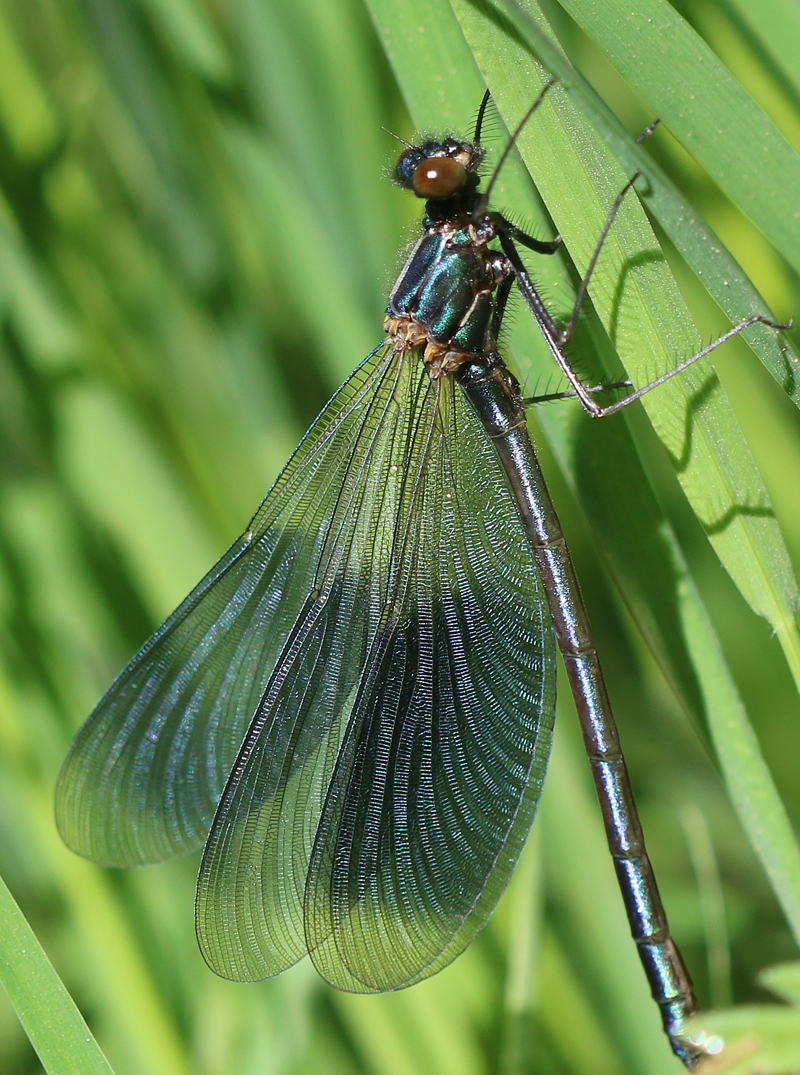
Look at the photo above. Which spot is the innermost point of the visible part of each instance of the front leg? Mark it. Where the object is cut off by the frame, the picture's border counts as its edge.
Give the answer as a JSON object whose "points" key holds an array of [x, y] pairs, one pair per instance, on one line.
{"points": [[539, 245], [553, 335]]}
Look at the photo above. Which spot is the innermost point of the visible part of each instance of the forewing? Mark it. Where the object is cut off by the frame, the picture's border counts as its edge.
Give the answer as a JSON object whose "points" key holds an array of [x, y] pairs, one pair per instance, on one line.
{"points": [[145, 773], [385, 790]]}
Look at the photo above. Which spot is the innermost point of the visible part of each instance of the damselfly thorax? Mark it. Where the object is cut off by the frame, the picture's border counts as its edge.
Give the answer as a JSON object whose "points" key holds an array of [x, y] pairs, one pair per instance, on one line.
{"points": [[450, 295]]}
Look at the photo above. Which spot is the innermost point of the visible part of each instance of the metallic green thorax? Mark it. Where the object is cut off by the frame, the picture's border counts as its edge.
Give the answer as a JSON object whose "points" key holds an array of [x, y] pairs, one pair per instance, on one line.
{"points": [[451, 290]]}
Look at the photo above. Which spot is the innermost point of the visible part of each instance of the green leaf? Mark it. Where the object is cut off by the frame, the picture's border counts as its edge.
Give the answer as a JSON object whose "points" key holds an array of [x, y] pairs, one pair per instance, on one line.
{"points": [[50, 1016], [659, 54], [776, 23]]}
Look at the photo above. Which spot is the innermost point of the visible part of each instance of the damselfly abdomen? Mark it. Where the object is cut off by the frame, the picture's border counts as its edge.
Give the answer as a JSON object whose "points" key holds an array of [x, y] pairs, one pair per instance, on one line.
{"points": [[353, 710]]}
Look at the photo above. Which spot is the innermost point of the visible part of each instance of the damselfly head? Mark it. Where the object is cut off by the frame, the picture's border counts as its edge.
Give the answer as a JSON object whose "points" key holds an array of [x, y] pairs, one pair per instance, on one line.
{"points": [[439, 170]]}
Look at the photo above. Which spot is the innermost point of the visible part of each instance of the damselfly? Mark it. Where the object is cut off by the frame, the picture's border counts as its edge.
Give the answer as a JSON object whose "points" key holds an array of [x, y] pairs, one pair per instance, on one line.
{"points": [[353, 710]]}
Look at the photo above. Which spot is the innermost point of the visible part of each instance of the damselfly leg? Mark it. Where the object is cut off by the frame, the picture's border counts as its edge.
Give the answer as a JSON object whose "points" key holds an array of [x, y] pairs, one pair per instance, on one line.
{"points": [[557, 338]]}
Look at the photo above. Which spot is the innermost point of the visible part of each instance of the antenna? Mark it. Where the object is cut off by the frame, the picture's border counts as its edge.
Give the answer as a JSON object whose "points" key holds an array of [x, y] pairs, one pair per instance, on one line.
{"points": [[481, 114], [399, 139], [483, 201]]}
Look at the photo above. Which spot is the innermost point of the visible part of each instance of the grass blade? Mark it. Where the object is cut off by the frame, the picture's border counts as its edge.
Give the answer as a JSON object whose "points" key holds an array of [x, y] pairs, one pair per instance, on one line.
{"points": [[659, 54], [50, 1016], [777, 25]]}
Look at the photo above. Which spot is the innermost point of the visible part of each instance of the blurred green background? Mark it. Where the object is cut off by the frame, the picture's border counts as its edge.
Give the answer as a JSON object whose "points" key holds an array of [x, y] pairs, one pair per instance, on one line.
{"points": [[197, 235]]}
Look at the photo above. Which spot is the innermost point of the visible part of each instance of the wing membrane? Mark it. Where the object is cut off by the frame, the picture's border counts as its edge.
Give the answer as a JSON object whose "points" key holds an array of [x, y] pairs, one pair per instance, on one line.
{"points": [[145, 773], [386, 785]]}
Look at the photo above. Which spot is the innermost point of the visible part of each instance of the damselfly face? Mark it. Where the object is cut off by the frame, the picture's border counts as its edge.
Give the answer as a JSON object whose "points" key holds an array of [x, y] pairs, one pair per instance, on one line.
{"points": [[437, 171]]}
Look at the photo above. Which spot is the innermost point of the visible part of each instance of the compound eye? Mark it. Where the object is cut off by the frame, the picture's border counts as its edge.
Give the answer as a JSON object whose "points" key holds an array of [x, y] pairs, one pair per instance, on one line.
{"points": [[407, 163], [439, 177]]}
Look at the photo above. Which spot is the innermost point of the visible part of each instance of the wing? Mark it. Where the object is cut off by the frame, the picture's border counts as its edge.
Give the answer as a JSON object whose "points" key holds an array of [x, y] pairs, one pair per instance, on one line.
{"points": [[386, 786], [145, 773]]}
